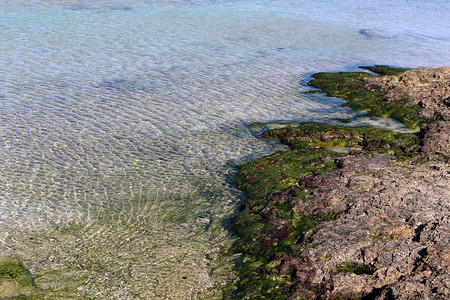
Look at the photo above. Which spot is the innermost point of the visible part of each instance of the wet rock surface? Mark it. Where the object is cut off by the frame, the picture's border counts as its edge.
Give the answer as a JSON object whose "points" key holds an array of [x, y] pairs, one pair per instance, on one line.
{"points": [[389, 202]]}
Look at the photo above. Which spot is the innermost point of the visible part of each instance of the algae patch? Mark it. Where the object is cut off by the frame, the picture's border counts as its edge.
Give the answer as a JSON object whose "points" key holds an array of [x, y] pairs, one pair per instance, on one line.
{"points": [[352, 87], [270, 227], [385, 70], [320, 136], [17, 282], [267, 227], [355, 268], [15, 279]]}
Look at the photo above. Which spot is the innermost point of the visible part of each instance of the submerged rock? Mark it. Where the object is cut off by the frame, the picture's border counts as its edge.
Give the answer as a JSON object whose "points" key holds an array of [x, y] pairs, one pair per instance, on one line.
{"points": [[17, 282], [376, 33]]}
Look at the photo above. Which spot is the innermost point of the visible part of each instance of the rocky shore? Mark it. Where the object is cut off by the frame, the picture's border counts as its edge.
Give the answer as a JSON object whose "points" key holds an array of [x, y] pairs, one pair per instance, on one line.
{"points": [[353, 212]]}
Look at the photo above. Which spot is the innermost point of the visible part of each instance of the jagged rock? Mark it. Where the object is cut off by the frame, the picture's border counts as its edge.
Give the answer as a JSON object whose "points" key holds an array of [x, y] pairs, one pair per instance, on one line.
{"points": [[436, 140], [430, 88]]}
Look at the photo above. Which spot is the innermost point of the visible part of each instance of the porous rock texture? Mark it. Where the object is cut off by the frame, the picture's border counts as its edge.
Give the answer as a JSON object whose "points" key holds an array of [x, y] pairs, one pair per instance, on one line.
{"points": [[393, 222], [430, 88], [436, 141]]}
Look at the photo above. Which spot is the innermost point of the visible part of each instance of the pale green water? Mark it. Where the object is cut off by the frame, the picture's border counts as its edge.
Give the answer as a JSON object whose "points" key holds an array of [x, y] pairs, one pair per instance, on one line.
{"points": [[122, 120]]}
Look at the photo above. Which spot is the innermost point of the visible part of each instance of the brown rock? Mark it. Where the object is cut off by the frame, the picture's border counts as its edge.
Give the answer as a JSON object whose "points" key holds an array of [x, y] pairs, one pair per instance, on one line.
{"points": [[396, 222], [430, 88], [436, 141]]}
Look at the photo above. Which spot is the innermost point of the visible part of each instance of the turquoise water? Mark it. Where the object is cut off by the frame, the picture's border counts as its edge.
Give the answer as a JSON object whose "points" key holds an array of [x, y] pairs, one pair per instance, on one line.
{"points": [[122, 121]]}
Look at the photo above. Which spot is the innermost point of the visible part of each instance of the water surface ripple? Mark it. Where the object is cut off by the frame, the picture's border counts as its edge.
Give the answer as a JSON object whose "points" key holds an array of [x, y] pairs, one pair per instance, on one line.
{"points": [[122, 121]]}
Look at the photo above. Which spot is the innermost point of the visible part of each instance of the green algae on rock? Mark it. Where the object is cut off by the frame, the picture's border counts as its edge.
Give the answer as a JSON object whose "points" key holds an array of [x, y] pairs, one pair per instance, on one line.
{"points": [[352, 87], [17, 282], [385, 70], [270, 229], [15, 279], [355, 268], [341, 201], [315, 135]]}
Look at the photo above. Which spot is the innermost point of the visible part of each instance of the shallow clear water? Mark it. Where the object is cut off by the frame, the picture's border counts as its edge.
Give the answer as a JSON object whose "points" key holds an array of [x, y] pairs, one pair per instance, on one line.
{"points": [[122, 121]]}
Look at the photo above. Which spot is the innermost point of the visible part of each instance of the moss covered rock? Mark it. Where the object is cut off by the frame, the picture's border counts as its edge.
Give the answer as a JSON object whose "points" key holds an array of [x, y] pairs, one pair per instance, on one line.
{"points": [[15, 280], [270, 226], [352, 87], [324, 219], [17, 283]]}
